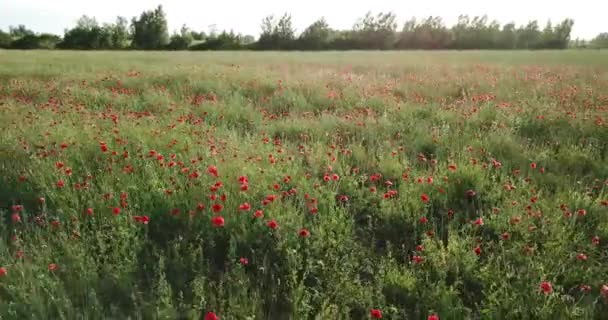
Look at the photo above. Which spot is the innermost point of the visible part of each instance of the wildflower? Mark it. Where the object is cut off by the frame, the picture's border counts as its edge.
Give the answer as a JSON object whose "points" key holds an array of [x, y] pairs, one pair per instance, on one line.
{"points": [[245, 207], [116, 211], [424, 197], [423, 220], [258, 214], [304, 233], [479, 221], [595, 241], [53, 267], [375, 313], [533, 165], [217, 207], [141, 219], [506, 236], [477, 250], [212, 170], [417, 259], [3, 271], [546, 287], [16, 218], [60, 184], [244, 261], [272, 224], [433, 316], [211, 316], [217, 221], [581, 257]]}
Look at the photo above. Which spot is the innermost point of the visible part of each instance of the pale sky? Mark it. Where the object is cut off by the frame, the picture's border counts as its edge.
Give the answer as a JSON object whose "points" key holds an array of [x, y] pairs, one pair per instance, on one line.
{"points": [[244, 16]]}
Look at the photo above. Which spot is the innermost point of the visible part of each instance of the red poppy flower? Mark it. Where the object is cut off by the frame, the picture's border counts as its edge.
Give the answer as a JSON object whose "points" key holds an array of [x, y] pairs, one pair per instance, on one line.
{"points": [[477, 250], [546, 287], [212, 170], [258, 214], [304, 233], [424, 197], [272, 224], [244, 261], [581, 257], [506, 236], [141, 219], [89, 211], [479, 221], [533, 165], [3, 272], [217, 221], [53, 267], [116, 211], [595, 241], [375, 313], [245, 207], [217, 207], [60, 184], [16, 218], [417, 259], [433, 316], [211, 316], [424, 220]]}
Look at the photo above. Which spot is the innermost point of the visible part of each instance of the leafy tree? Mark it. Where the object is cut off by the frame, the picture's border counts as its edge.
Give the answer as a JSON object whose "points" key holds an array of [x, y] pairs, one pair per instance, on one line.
{"points": [[20, 31], [5, 40], [600, 41], [276, 35], [33, 41], [376, 32], [182, 40], [150, 30], [223, 41], [315, 37]]}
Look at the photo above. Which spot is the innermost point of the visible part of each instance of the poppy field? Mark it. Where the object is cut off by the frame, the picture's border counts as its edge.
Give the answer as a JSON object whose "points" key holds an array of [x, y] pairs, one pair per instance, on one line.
{"points": [[353, 185]]}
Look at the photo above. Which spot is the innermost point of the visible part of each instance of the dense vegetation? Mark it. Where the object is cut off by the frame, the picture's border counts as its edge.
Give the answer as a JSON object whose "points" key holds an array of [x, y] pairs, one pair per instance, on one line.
{"points": [[248, 185], [372, 32]]}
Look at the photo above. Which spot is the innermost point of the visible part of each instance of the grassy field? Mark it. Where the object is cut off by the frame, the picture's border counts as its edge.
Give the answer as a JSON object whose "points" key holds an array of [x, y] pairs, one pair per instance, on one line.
{"points": [[393, 185]]}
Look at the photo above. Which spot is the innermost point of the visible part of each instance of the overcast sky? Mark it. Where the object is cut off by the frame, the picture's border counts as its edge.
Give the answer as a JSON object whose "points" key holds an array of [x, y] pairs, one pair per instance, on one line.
{"points": [[244, 16]]}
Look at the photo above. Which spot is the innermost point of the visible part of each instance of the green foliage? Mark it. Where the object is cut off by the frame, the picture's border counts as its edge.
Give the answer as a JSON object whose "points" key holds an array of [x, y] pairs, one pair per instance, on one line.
{"points": [[452, 183], [150, 30]]}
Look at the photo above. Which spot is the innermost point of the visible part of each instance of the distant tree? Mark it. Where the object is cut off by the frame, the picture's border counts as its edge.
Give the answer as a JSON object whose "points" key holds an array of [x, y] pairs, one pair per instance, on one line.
{"points": [[315, 37], [181, 40], [247, 39], [376, 32], [222, 41], [507, 39], [5, 40], [121, 37], [20, 31], [33, 41], [529, 36], [150, 30], [600, 41], [276, 35]]}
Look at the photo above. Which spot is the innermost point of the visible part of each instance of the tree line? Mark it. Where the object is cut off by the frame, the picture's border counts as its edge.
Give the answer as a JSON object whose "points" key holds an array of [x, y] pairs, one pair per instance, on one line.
{"points": [[149, 31]]}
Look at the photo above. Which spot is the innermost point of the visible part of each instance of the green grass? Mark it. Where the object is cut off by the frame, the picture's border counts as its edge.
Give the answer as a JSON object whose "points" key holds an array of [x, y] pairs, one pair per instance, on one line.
{"points": [[516, 139]]}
